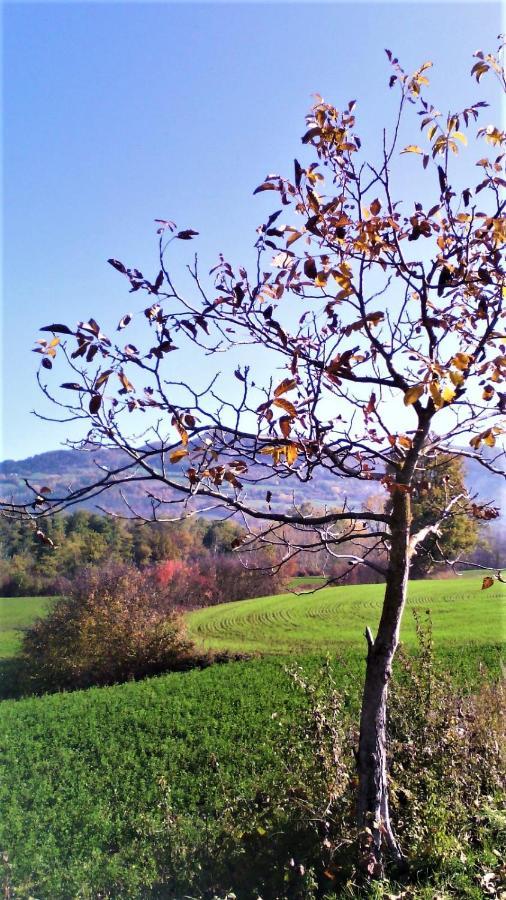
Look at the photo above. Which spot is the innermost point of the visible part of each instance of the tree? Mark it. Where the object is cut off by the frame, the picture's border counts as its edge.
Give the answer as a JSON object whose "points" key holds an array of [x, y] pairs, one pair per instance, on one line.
{"points": [[372, 333], [442, 479]]}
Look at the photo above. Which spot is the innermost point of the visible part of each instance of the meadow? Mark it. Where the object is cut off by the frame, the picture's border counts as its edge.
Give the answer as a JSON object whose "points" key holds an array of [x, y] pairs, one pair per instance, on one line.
{"points": [[17, 613], [335, 618], [130, 791]]}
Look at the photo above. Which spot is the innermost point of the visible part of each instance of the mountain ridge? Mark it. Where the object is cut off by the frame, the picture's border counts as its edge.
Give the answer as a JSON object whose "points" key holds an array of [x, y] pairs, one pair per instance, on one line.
{"points": [[64, 468]]}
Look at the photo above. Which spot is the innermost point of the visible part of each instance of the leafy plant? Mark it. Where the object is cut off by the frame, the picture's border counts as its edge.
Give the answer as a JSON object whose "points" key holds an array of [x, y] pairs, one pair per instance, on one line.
{"points": [[115, 624]]}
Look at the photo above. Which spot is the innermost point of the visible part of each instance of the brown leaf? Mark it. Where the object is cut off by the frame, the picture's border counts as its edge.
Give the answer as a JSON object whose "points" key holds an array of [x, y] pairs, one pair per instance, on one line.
{"points": [[266, 186], [95, 403], [127, 385], [413, 394], [487, 582], [288, 384], [116, 264], [310, 270], [124, 321], [186, 235], [60, 329], [286, 405]]}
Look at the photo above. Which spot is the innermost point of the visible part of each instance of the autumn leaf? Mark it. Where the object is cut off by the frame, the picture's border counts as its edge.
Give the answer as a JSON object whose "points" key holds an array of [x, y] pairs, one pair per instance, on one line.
{"points": [[291, 453], [286, 405], [462, 361], [186, 235], [176, 455], [412, 148], [127, 385], [288, 384], [124, 321], [95, 403], [487, 582], [116, 264], [59, 329], [285, 425], [413, 394], [310, 270], [447, 393], [435, 393], [265, 186]]}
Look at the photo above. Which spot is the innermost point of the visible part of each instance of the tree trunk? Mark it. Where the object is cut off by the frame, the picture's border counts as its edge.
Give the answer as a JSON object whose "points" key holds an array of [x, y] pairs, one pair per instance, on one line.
{"points": [[373, 810]]}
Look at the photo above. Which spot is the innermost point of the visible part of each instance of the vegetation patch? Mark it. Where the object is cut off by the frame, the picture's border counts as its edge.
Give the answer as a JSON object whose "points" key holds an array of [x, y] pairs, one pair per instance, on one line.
{"points": [[238, 777], [334, 618]]}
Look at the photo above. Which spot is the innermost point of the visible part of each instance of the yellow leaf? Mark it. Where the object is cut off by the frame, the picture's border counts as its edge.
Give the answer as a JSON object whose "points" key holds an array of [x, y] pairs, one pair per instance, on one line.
{"points": [[489, 438], [447, 394], [460, 137], [177, 455], [413, 394], [404, 441], [412, 148], [436, 394], [291, 453], [288, 384], [321, 279], [275, 452], [431, 132], [487, 582]]}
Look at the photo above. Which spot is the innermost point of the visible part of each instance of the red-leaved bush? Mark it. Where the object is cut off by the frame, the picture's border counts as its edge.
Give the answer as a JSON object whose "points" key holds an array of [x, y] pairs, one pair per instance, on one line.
{"points": [[212, 579]]}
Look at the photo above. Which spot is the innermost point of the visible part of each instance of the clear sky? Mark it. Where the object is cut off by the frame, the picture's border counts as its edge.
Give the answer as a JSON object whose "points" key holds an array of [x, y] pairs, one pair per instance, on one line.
{"points": [[119, 113]]}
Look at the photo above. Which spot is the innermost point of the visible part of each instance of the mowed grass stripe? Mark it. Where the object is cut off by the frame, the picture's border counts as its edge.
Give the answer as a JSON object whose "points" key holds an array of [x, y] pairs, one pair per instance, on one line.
{"points": [[460, 610]]}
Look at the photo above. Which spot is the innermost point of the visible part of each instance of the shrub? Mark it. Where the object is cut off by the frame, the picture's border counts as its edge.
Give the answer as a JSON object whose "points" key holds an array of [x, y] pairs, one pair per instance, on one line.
{"points": [[295, 839], [114, 624], [212, 579]]}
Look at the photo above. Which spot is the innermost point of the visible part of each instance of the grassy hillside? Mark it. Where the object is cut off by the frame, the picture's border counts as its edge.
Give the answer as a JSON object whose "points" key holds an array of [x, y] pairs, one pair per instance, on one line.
{"points": [[134, 791], [108, 791], [335, 618]]}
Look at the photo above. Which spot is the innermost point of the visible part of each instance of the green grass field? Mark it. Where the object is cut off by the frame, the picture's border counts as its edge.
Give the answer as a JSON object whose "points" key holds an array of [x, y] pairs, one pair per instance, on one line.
{"points": [[335, 618], [17, 613], [110, 792]]}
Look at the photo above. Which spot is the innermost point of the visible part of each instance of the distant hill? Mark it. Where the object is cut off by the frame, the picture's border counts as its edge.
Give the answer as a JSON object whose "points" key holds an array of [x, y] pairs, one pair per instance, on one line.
{"points": [[62, 470]]}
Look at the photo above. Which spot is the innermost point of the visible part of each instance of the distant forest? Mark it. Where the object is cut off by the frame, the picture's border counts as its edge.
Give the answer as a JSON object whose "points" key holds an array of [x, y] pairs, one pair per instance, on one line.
{"points": [[204, 547]]}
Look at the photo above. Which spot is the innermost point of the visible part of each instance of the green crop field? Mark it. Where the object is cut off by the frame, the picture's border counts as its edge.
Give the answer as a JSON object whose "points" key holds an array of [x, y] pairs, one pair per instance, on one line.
{"points": [[335, 618], [17, 613], [110, 792]]}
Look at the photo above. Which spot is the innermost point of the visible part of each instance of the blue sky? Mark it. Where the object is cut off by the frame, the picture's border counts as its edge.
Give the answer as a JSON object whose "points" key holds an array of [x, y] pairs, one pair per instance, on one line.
{"points": [[119, 113]]}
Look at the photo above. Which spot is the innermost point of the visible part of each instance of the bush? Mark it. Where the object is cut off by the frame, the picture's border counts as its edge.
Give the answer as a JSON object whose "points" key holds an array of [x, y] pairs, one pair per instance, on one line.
{"points": [[296, 839], [212, 579], [114, 624]]}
